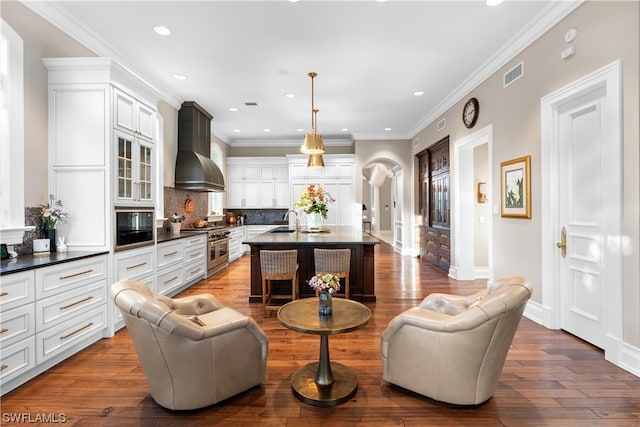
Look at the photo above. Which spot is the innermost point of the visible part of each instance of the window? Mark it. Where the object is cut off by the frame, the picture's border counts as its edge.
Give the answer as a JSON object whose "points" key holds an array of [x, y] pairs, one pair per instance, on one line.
{"points": [[11, 137], [216, 203]]}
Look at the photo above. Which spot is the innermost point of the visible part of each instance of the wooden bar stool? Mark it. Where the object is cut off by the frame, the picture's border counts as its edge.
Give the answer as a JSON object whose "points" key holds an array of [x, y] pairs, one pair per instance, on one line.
{"points": [[336, 262], [280, 266]]}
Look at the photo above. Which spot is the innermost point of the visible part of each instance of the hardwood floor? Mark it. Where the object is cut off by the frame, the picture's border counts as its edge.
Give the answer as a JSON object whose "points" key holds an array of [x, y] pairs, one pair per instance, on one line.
{"points": [[550, 378]]}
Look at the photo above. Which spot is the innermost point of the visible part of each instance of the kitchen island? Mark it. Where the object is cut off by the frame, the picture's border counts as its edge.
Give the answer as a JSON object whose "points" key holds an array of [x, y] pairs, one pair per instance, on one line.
{"points": [[361, 275]]}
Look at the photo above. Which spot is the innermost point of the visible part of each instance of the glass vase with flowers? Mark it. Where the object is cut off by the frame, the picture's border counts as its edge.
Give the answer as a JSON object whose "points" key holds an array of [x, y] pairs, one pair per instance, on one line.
{"points": [[325, 285]]}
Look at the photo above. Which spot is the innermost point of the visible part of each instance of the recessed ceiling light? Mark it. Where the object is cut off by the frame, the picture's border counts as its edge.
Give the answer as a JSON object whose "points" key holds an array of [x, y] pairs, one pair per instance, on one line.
{"points": [[418, 93], [387, 129], [236, 130], [233, 109], [162, 30], [294, 1], [300, 130], [344, 129], [290, 95], [180, 76], [267, 130], [493, 2]]}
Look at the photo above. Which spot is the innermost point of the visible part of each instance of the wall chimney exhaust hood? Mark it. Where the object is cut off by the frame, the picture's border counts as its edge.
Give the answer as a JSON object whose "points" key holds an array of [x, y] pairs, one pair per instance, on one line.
{"points": [[195, 171]]}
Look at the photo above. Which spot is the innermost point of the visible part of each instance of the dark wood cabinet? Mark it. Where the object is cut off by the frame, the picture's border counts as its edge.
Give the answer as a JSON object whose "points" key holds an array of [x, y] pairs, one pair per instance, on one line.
{"points": [[434, 204]]}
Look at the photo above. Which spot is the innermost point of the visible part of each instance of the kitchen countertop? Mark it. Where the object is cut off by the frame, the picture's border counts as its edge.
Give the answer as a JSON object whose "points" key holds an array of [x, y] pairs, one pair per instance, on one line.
{"points": [[163, 236], [30, 262], [330, 235]]}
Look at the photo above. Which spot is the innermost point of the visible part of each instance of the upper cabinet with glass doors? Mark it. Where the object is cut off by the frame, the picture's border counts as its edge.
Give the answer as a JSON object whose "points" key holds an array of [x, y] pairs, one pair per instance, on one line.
{"points": [[134, 137]]}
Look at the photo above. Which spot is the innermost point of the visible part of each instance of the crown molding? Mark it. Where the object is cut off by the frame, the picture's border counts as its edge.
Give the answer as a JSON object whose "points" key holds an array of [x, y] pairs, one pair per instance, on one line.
{"points": [[53, 14], [547, 18], [252, 143]]}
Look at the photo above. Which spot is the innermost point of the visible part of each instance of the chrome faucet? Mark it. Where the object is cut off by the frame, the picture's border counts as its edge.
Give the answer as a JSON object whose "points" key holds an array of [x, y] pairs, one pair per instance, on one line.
{"points": [[297, 218]]}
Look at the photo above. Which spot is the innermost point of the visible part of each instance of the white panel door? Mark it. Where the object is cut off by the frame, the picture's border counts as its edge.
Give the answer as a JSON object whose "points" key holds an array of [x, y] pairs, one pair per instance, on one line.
{"points": [[582, 204]]}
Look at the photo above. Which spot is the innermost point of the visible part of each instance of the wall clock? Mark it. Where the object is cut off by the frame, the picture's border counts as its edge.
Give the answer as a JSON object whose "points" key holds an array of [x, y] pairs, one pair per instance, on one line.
{"points": [[470, 113]]}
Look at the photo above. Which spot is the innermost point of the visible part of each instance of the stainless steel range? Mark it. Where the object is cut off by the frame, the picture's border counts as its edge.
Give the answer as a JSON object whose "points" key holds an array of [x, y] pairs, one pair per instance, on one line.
{"points": [[218, 242], [218, 245]]}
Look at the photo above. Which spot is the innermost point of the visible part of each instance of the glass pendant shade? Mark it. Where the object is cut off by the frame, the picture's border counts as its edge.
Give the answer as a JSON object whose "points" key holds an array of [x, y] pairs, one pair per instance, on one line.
{"points": [[315, 161]]}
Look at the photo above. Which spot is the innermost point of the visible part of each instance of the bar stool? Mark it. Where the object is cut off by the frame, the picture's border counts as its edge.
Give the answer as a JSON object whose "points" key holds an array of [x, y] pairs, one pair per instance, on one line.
{"points": [[336, 262], [280, 266]]}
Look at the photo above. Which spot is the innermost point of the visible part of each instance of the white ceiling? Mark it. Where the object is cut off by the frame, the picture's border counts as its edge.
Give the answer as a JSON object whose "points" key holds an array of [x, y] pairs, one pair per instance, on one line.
{"points": [[370, 57]]}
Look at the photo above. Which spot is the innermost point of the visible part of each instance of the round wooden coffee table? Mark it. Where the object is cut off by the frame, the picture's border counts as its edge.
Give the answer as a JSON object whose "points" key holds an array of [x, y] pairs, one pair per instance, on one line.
{"points": [[324, 383]]}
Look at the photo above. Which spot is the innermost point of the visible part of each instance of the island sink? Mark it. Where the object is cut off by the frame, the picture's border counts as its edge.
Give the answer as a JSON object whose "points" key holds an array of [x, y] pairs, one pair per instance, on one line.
{"points": [[283, 229]]}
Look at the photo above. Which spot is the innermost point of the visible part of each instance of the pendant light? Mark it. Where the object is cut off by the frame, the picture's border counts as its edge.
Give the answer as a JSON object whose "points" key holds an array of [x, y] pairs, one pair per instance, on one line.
{"points": [[315, 160], [312, 143]]}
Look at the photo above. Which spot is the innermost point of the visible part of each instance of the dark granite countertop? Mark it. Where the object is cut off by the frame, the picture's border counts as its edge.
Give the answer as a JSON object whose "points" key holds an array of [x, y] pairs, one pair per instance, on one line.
{"points": [[30, 262], [328, 235], [163, 236]]}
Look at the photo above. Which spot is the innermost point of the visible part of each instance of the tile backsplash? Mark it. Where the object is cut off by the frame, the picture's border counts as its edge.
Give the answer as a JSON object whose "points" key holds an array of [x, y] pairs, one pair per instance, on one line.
{"points": [[175, 201]]}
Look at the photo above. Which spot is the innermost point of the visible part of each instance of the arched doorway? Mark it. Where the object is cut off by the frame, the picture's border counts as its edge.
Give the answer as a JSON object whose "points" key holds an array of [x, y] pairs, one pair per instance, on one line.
{"points": [[382, 194]]}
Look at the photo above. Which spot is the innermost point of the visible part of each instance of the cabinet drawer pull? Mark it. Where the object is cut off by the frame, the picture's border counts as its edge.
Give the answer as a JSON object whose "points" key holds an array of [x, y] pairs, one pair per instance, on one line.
{"points": [[171, 253], [195, 240], [4, 294], [88, 325], [3, 330], [195, 254], [64, 307], [76, 274], [197, 270], [171, 280], [3, 367], [136, 266]]}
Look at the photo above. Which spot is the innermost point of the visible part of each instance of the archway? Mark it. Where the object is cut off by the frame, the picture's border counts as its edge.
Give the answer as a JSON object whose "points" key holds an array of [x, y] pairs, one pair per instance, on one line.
{"points": [[382, 193]]}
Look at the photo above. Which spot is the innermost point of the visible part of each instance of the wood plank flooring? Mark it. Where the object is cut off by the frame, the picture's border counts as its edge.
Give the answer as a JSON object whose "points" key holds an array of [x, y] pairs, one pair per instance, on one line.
{"points": [[550, 378]]}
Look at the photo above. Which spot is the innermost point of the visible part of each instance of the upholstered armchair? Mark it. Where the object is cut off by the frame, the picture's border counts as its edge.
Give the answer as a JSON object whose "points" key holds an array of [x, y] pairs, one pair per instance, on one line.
{"points": [[194, 351], [452, 348]]}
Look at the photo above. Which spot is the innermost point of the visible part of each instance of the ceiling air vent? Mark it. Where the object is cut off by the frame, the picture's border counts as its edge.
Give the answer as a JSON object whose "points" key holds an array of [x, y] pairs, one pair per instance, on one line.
{"points": [[441, 124], [513, 74], [251, 104]]}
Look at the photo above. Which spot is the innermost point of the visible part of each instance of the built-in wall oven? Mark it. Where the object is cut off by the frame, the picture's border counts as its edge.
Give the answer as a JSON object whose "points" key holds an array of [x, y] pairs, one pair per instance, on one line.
{"points": [[218, 242], [134, 227]]}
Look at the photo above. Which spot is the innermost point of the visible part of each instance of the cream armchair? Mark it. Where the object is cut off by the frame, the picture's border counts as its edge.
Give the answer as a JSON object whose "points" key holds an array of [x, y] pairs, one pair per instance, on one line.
{"points": [[194, 351], [452, 348]]}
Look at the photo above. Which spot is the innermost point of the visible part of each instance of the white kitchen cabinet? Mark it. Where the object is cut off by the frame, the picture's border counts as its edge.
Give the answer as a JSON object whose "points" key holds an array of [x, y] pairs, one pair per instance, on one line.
{"points": [[17, 323], [170, 261], [134, 170], [236, 237], [134, 116], [50, 313], [135, 264], [195, 258], [181, 262], [102, 145], [257, 183], [337, 178]]}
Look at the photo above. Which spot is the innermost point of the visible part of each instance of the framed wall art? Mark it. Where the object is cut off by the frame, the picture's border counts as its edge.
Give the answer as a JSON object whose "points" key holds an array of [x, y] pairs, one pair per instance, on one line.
{"points": [[515, 188]]}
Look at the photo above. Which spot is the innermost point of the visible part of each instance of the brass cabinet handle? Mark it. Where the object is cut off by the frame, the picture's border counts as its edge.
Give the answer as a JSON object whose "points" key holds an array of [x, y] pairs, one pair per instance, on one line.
{"points": [[88, 325], [136, 266], [171, 280], [3, 330], [195, 240], [195, 254], [4, 294], [171, 253], [3, 367], [64, 307], [76, 274], [197, 270]]}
